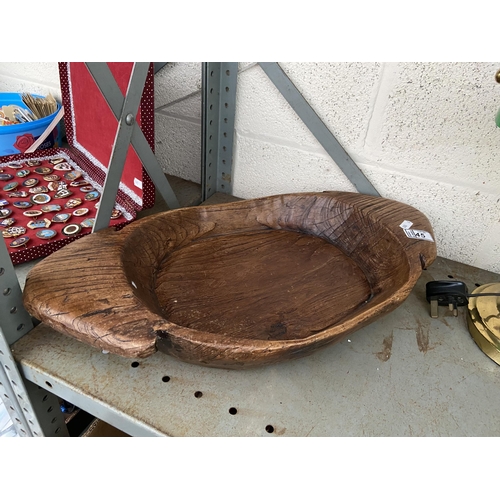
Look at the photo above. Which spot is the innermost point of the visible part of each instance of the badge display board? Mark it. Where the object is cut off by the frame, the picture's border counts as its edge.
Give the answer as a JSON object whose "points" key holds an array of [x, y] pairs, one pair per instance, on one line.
{"points": [[90, 129]]}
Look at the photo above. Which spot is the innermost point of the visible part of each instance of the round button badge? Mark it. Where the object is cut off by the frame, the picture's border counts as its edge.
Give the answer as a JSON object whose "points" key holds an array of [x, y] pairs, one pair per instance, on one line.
{"points": [[43, 170], [78, 183], [11, 186], [41, 198], [30, 182], [71, 229], [93, 195], [72, 176], [61, 218], [46, 234], [65, 167], [51, 178], [81, 212]]}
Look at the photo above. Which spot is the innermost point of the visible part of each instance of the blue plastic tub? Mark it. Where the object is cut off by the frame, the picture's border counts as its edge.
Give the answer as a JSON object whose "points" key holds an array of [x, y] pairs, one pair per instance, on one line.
{"points": [[15, 139]]}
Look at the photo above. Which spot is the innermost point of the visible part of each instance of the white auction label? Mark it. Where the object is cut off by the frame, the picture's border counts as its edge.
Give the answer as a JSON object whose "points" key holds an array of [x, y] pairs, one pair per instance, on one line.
{"points": [[418, 234]]}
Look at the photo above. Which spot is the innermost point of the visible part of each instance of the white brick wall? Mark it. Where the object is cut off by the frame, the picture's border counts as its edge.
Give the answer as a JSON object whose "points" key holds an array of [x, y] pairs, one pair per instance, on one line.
{"points": [[178, 119], [423, 133]]}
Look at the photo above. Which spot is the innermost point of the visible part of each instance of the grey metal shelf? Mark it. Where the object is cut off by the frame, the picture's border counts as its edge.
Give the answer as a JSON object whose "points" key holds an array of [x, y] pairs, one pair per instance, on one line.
{"points": [[406, 374]]}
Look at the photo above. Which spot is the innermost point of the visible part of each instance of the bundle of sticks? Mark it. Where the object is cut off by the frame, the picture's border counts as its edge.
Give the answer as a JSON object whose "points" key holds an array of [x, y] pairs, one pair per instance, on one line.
{"points": [[40, 106]]}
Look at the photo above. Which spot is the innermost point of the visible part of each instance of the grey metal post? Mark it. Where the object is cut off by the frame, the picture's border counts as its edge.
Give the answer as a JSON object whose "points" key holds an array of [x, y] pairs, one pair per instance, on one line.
{"points": [[218, 112], [34, 411], [111, 92], [121, 145]]}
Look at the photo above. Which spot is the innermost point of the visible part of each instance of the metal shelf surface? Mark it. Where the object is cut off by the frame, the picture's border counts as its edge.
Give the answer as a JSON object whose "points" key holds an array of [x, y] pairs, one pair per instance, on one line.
{"points": [[404, 375]]}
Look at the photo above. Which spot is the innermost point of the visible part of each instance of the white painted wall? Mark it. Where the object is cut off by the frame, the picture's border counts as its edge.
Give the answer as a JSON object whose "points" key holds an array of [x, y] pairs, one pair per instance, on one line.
{"points": [[39, 77], [423, 133]]}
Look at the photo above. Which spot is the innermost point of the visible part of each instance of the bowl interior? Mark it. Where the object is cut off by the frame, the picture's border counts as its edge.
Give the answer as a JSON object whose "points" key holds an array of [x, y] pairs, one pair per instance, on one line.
{"points": [[265, 283], [270, 285]]}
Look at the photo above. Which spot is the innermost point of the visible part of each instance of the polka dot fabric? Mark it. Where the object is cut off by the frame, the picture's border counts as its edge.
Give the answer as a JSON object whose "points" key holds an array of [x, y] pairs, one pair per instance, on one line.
{"points": [[148, 129], [37, 248]]}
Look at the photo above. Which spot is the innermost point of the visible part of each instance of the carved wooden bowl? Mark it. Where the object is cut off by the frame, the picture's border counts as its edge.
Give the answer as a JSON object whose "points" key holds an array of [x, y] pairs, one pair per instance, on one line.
{"points": [[235, 285]]}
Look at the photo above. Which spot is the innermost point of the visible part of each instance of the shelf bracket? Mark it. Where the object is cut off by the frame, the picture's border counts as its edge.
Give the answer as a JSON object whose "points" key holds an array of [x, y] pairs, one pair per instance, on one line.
{"points": [[129, 132]]}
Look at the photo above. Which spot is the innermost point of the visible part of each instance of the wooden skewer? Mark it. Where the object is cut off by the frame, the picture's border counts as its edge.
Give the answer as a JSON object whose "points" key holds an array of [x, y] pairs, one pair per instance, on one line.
{"points": [[40, 106]]}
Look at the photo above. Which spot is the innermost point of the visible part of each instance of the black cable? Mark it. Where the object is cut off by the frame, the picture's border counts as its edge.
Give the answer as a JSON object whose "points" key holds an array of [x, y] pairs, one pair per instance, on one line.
{"points": [[467, 295], [483, 295]]}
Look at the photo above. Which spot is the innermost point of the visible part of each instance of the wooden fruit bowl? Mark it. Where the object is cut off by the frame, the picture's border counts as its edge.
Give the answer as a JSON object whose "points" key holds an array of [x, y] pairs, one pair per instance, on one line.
{"points": [[235, 285]]}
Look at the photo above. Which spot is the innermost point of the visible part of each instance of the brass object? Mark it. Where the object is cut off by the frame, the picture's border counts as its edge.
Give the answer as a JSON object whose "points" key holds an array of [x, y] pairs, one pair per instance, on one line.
{"points": [[497, 76], [483, 319]]}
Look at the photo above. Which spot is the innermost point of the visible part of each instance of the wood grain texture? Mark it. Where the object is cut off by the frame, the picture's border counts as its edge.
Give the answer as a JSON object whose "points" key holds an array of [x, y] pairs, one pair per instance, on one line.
{"points": [[234, 285]]}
